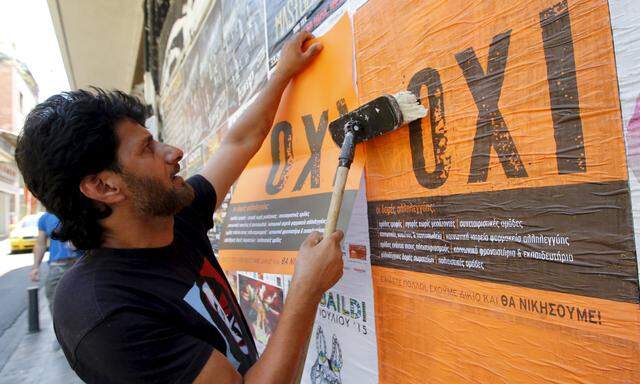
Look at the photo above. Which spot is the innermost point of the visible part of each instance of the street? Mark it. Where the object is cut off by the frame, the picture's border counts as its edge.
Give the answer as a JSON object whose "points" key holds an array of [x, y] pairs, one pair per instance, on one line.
{"points": [[14, 280], [25, 357]]}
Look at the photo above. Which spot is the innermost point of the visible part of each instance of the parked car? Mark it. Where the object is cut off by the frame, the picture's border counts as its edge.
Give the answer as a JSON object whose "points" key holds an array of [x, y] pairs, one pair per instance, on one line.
{"points": [[23, 236]]}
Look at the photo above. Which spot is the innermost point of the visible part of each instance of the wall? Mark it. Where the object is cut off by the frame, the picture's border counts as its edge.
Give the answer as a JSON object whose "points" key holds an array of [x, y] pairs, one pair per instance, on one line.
{"points": [[23, 101], [6, 96], [492, 241], [13, 110]]}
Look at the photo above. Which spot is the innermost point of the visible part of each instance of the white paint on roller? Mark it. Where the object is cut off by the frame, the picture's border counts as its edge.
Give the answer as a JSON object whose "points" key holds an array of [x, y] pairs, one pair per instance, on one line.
{"points": [[410, 107]]}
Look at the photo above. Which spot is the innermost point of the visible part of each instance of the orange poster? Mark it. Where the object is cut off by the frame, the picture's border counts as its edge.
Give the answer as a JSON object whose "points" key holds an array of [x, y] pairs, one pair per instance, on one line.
{"points": [[284, 192], [500, 225]]}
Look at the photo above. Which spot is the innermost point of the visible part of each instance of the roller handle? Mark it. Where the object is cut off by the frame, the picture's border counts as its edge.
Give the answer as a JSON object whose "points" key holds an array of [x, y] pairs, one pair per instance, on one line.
{"points": [[336, 201], [329, 228]]}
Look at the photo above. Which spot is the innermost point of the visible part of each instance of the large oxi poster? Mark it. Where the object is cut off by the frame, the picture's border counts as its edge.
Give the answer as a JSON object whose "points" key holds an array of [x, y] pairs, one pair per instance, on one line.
{"points": [[501, 227], [283, 195]]}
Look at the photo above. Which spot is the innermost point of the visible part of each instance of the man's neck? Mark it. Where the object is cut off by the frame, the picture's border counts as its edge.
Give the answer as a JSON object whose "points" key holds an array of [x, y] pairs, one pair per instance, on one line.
{"points": [[127, 230]]}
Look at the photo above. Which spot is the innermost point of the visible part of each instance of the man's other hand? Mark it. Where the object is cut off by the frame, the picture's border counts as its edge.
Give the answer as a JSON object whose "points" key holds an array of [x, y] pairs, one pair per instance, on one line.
{"points": [[319, 263], [295, 57], [34, 275]]}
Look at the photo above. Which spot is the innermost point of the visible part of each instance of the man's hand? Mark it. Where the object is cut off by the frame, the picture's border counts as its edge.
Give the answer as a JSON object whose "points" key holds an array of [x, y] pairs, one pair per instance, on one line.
{"points": [[319, 264], [318, 268], [34, 274], [294, 57]]}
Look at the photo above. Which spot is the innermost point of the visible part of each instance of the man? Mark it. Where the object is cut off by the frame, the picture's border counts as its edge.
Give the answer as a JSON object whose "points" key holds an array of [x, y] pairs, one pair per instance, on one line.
{"points": [[62, 255], [136, 308]]}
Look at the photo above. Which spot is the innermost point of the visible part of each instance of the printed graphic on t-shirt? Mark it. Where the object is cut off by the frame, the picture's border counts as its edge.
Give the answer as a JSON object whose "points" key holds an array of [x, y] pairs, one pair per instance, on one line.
{"points": [[210, 298]]}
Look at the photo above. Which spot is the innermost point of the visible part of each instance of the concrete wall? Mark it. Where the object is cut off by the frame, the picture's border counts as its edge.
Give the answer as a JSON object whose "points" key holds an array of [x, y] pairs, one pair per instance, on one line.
{"points": [[23, 100]]}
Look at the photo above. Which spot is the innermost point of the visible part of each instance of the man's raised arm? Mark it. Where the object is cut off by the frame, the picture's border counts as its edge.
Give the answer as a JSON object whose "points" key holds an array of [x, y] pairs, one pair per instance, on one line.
{"points": [[246, 136]]}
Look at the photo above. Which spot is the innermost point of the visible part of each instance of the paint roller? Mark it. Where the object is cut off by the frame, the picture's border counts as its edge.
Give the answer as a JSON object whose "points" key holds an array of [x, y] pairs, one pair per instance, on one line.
{"points": [[376, 118]]}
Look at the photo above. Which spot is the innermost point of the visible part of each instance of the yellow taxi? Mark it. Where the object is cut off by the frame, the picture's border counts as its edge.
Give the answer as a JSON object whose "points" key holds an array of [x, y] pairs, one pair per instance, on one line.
{"points": [[24, 234]]}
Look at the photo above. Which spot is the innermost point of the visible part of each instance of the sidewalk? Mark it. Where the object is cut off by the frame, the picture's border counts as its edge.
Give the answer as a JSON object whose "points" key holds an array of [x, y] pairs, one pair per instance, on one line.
{"points": [[34, 360]]}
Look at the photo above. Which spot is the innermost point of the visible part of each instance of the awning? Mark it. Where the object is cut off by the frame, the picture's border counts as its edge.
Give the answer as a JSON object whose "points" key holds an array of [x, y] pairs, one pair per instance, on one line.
{"points": [[100, 41]]}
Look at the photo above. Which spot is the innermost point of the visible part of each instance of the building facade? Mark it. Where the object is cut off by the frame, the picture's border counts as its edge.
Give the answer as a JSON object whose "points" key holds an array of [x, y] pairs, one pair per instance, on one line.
{"points": [[18, 95]]}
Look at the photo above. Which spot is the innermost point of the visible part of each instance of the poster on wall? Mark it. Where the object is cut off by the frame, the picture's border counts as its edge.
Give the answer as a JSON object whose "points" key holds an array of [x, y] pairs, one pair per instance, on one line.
{"points": [[195, 102], [206, 78], [180, 26], [172, 107], [286, 17], [245, 50], [261, 298], [626, 30], [261, 304], [343, 342], [503, 218], [284, 195]]}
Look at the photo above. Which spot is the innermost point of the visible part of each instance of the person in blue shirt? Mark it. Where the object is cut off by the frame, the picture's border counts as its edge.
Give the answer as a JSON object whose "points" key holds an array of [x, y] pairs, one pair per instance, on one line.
{"points": [[62, 255]]}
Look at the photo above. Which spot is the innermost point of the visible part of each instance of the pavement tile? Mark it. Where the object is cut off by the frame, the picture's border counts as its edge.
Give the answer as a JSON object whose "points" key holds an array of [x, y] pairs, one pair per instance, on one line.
{"points": [[35, 360]]}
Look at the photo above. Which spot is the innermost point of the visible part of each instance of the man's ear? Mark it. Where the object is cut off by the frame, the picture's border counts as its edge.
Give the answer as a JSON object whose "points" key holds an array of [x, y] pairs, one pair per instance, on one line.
{"points": [[104, 187]]}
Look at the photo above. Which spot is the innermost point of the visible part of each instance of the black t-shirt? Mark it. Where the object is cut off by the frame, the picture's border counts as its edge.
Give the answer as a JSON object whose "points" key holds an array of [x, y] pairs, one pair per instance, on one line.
{"points": [[153, 315]]}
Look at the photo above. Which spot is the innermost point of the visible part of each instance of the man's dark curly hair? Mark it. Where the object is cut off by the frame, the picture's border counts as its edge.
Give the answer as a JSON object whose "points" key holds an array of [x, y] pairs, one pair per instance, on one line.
{"points": [[65, 138]]}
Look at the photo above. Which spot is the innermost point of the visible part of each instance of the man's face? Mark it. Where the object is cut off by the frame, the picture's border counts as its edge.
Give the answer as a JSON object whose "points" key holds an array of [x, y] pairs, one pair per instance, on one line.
{"points": [[149, 171]]}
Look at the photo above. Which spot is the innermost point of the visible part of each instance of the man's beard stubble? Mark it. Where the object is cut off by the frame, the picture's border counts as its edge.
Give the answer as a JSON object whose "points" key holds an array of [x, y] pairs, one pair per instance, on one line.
{"points": [[150, 197]]}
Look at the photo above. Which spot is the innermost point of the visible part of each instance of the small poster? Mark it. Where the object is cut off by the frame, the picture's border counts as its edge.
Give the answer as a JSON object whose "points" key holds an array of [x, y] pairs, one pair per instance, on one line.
{"points": [[262, 304]]}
